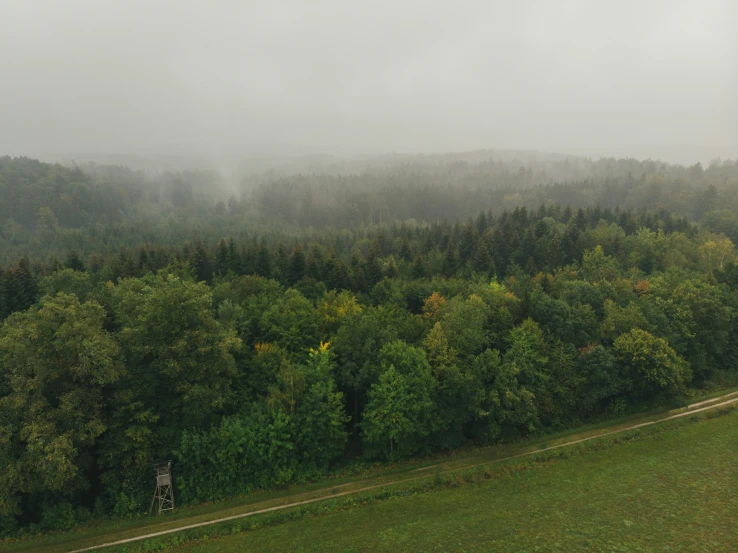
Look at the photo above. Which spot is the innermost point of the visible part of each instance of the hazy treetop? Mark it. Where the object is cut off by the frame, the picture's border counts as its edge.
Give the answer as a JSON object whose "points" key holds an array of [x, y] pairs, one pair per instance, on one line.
{"points": [[627, 78]]}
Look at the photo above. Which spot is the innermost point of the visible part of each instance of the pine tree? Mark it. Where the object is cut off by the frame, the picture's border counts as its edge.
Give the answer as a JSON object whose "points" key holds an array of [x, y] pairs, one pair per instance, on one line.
{"points": [[200, 263], [405, 250], [372, 269], [281, 262], [356, 272], [3, 312], [482, 261], [390, 270], [144, 260], [296, 267], [450, 260], [234, 262], [245, 261], [481, 223], [419, 269], [74, 262], [263, 265], [222, 258], [466, 244], [126, 265], [20, 289], [314, 264]]}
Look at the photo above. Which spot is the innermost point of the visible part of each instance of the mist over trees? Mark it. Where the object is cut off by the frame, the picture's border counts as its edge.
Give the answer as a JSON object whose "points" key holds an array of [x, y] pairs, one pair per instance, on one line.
{"points": [[49, 210]]}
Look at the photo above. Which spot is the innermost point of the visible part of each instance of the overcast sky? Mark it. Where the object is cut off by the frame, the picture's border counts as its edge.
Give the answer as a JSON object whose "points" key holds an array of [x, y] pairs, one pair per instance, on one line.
{"points": [[641, 78]]}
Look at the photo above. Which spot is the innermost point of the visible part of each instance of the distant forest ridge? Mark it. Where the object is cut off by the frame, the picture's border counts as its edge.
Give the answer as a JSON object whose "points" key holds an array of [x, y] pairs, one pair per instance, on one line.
{"points": [[53, 207]]}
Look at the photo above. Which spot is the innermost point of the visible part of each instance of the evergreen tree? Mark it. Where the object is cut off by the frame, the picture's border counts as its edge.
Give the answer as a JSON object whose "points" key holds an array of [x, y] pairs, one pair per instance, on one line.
{"points": [[74, 262], [296, 267], [281, 263], [390, 269], [404, 252], [481, 223], [20, 288], [263, 263], [419, 269], [200, 263], [372, 269], [144, 260], [450, 259], [222, 258], [482, 262]]}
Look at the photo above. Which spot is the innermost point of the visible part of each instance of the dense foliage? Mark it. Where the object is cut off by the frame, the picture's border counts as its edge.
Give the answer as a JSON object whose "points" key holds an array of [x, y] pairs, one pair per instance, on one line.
{"points": [[269, 357]]}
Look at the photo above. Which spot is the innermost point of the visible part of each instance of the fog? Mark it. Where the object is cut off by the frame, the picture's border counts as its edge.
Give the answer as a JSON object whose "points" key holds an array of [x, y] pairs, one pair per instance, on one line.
{"points": [[640, 78]]}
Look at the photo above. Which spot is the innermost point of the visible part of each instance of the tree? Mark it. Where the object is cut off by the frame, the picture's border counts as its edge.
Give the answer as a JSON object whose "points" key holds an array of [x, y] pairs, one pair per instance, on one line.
{"points": [[604, 382], [465, 322], [652, 367], [180, 364], [451, 259], [405, 250], [419, 269], [457, 397], [434, 306], [598, 266], [252, 449], [482, 262], [333, 309], [291, 322], [372, 268], [20, 288], [222, 258], [400, 411], [74, 262], [58, 366], [505, 407], [619, 320], [200, 263], [67, 281], [576, 325], [296, 267], [357, 345], [263, 266], [390, 268], [526, 356], [320, 417]]}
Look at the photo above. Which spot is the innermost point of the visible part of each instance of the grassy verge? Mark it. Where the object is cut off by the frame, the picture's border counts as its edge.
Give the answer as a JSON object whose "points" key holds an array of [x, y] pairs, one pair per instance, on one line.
{"points": [[669, 487]]}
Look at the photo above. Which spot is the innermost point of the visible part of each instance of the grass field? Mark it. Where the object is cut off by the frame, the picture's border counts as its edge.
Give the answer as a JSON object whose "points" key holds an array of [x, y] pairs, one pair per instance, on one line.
{"points": [[675, 490]]}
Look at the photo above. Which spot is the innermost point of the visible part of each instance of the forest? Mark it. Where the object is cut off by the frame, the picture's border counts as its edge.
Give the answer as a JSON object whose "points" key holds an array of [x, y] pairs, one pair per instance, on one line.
{"points": [[307, 321]]}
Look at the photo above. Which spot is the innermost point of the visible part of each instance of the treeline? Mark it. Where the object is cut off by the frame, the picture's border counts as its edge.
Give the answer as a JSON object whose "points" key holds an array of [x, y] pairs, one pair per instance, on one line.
{"points": [[271, 359]]}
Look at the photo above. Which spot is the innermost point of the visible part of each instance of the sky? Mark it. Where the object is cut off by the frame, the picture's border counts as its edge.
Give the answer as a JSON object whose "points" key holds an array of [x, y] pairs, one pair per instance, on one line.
{"points": [[645, 79]]}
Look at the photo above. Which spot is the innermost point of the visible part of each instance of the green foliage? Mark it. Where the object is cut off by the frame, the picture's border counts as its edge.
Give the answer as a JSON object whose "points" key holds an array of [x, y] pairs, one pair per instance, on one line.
{"points": [[68, 281], [291, 322], [180, 373], [320, 418], [465, 321], [247, 451], [651, 366], [400, 413], [264, 445], [58, 364]]}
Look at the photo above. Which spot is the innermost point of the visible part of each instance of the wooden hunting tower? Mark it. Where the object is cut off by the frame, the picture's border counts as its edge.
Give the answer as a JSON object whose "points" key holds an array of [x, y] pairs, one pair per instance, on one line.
{"points": [[164, 491]]}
